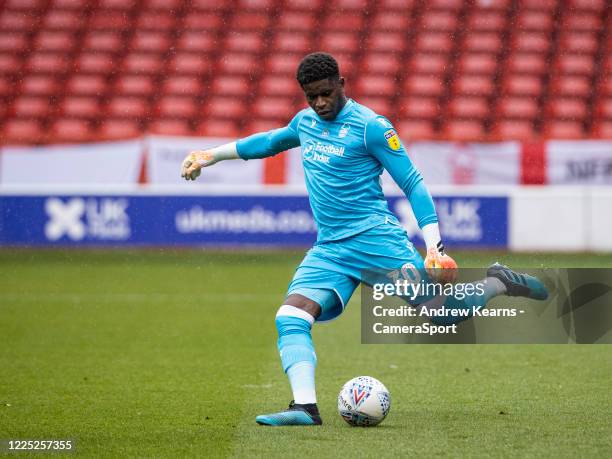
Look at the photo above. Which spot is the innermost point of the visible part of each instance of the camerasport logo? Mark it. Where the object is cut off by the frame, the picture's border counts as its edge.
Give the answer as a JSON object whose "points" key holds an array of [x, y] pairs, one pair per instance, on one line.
{"points": [[87, 219]]}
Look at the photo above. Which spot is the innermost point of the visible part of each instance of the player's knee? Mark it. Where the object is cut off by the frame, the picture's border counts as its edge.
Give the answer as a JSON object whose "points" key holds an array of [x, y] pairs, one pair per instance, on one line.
{"points": [[305, 304]]}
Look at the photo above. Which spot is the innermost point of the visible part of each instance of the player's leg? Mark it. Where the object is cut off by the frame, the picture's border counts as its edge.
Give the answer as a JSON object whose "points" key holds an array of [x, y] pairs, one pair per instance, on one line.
{"points": [[316, 293]]}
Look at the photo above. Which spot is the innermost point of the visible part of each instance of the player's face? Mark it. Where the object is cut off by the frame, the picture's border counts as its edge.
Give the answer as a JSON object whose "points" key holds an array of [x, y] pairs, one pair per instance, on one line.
{"points": [[326, 97]]}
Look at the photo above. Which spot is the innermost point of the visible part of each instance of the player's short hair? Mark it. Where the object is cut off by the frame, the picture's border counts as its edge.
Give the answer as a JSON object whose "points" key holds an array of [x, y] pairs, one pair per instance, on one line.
{"points": [[317, 66]]}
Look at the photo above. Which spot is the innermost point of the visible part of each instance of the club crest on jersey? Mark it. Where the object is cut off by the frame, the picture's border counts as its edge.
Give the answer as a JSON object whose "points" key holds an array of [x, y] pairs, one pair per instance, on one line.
{"points": [[392, 139], [325, 132], [344, 130]]}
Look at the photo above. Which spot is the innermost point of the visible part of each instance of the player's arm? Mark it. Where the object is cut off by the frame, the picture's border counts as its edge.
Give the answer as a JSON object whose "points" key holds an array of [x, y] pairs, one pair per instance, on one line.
{"points": [[383, 142], [256, 146]]}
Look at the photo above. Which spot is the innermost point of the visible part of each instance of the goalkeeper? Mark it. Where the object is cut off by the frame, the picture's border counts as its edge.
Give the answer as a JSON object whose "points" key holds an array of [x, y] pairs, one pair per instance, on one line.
{"points": [[345, 147]]}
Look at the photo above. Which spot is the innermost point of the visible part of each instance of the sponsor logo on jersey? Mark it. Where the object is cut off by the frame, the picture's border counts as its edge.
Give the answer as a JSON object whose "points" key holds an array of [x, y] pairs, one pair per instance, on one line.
{"points": [[313, 123], [384, 122], [344, 130], [329, 149], [392, 139]]}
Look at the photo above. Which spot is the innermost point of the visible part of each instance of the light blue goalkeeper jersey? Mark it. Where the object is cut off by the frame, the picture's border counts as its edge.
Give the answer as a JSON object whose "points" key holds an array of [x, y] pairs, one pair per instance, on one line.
{"points": [[343, 160]]}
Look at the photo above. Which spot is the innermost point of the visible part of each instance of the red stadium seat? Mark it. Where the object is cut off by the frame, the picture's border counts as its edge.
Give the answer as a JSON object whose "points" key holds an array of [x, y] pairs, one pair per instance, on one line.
{"points": [[604, 108], [523, 85], [475, 85], [397, 5], [208, 5], [135, 85], [128, 107], [170, 127], [22, 131], [279, 86], [177, 107], [31, 107], [231, 86], [602, 130], [86, 85], [544, 5], [278, 108], [514, 130], [593, 6], [478, 63], [579, 43], [111, 21], [241, 64], [54, 41], [142, 64], [419, 108], [63, 20], [531, 42], [96, 63], [81, 107], [259, 125], [439, 20], [13, 42], [386, 41], [226, 108], [103, 41], [262, 5], [469, 107], [347, 42], [17, 21], [183, 85], [155, 21], [296, 21], [185, 63], [201, 21], [39, 85], [380, 105], [283, 63], [464, 130], [487, 21], [534, 21], [343, 22], [434, 42], [429, 63], [376, 85], [376, 63], [588, 22], [483, 42], [119, 129], [71, 130], [410, 130], [197, 41], [250, 21], [391, 21], [572, 86], [292, 42], [244, 42], [349, 4], [150, 42], [518, 107], [555, 129], [575, 64], [527, 63], [424, 85], [568, 109], [218, 128], [52, 63], [6, 89]]}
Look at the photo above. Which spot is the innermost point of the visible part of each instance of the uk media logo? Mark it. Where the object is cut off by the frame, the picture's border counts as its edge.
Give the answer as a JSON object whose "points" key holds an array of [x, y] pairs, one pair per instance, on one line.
{"points": [[81, 219]]}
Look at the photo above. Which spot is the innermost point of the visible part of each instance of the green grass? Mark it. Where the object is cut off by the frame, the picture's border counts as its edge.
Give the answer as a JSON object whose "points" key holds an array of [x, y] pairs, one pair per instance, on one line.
{"points": [[173, 353]]}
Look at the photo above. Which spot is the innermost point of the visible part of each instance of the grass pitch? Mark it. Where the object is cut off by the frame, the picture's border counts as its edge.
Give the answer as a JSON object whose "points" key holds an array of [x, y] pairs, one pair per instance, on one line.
{"points": [[172, 353]]}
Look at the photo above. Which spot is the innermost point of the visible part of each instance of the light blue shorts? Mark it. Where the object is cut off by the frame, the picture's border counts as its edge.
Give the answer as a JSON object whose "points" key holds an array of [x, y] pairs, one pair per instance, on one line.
{"points": [[330, 272]]}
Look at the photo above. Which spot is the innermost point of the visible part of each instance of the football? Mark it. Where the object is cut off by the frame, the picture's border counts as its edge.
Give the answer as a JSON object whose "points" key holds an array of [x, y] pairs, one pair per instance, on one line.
{"points": [[364, 401]]}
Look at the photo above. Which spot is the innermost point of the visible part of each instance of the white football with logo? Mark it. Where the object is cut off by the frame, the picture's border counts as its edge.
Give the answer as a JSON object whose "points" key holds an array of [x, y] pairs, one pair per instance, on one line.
{"points": [[364, 401]]}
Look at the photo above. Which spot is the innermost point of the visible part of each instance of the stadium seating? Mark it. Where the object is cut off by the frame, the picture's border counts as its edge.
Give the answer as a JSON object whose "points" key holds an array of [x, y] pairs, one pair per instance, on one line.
{"points": [[73, 70]]}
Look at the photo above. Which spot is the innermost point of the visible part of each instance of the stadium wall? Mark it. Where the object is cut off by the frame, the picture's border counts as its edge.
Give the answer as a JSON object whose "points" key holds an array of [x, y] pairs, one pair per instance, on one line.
{"points": [[522, 218]]}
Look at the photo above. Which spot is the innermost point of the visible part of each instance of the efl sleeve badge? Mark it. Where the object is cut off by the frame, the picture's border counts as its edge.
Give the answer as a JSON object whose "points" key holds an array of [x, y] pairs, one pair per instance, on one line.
{"points": [[392, 139]]}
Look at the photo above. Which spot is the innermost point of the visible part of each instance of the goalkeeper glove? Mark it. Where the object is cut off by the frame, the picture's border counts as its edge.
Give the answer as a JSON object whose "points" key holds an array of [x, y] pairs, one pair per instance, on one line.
{"points": [[193, 163], [439, 266]]}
